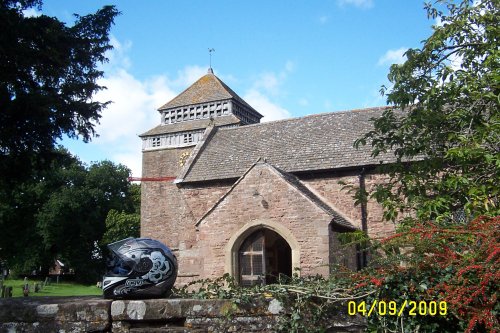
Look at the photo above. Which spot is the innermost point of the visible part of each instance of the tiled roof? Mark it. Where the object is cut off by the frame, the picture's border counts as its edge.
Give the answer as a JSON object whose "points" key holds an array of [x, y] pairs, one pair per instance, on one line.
{"points": [[208, 88], [317, 142], [192, 125]]}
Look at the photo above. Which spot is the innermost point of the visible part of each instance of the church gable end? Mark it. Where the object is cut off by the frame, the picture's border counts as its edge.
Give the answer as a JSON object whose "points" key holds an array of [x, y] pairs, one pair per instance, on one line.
{"points": [[263, 197]]}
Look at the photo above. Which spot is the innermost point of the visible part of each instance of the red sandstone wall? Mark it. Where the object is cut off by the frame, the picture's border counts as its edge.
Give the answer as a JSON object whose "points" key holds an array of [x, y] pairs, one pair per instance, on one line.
{"points": [[165, 215], [308, 223], [328, 187], [169, 214], [201, 198]]}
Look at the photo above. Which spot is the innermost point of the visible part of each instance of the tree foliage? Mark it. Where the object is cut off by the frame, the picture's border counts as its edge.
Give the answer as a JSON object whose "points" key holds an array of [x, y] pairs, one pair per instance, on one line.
{"points": [[444, 130], [457, 264], [50, 203], [61, 213], [445, 118], [123, 224], [48, 77]]}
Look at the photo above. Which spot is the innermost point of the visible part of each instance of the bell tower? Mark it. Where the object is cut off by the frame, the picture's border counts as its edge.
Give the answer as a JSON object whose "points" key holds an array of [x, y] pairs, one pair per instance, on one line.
{"points": [[165, 148], [184, 118]]}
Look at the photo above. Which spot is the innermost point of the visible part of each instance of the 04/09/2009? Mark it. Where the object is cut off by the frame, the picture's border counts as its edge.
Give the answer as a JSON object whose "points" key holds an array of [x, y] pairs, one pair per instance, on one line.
{"points": [[391, 308]]}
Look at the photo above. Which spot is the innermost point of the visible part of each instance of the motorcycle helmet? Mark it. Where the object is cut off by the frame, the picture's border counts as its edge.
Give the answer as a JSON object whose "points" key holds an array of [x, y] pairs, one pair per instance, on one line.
{"points": [[139, 268]]}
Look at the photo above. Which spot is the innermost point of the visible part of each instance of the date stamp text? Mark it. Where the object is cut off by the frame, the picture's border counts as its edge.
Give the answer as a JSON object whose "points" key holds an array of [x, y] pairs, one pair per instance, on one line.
{"points": [[391, 308]]}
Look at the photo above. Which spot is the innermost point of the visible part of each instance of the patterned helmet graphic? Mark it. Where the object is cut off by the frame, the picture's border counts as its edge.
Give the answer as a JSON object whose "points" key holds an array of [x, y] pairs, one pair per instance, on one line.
{"points": [[139, 268]]}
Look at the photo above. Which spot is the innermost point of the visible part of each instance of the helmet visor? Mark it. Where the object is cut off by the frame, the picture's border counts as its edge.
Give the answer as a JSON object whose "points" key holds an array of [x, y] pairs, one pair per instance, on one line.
{"points": [[114, 247], [119, 264]]}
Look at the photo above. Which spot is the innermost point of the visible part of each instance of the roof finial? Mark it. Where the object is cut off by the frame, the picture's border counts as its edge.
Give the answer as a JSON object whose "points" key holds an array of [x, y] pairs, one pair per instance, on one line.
{"points": [[210, 50]]}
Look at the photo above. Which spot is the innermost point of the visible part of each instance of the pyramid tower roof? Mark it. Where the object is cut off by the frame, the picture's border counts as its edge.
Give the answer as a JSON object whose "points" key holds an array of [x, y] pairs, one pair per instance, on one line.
{"points": [[208, 88]]}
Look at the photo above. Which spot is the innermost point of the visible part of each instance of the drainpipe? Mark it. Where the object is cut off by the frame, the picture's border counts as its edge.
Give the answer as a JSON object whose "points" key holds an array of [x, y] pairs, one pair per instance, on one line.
{"points": [[364, 215]]}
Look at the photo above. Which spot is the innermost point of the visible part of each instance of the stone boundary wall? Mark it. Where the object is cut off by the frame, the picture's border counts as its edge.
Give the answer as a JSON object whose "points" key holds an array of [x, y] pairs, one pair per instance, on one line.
{"points": [[93, 314]]}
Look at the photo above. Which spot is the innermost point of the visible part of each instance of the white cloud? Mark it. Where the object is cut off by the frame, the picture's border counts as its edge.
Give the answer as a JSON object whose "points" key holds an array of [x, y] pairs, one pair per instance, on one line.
{"points": [[267, 81], [270, 110], [266, 86], [229, 79], [135, 101], [271, 82], [134, 105], [393, 57], [118, 58], [188, 76], [364, 4], [132, 112], [439, 22], [456, 61], [289, 66], [132, 159], [31, 12]]}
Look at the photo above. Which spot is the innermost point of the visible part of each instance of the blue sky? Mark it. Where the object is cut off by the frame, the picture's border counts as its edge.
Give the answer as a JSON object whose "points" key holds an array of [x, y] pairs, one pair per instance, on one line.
{"points": [[286, 58]]}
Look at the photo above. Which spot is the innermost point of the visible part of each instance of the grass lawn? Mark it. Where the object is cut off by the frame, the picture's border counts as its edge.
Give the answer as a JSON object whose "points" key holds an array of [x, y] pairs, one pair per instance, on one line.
{"points": [[53, 289]]}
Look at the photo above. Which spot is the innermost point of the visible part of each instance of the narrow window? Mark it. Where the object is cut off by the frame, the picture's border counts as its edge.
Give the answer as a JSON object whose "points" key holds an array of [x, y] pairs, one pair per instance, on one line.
{"points": [[188, 138], [155, 142]]}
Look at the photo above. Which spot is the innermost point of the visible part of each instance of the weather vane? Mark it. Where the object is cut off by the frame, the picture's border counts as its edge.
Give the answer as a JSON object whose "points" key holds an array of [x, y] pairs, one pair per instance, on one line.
{"points": [[210, 50]]}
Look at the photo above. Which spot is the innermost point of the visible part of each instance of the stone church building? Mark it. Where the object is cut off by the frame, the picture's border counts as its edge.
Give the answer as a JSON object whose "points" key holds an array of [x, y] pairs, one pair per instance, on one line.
{"points": [[229, 194]]}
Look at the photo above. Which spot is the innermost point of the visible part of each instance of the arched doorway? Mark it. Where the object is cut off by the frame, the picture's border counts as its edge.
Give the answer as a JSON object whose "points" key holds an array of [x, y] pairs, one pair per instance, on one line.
{"points": [[262, 257]]}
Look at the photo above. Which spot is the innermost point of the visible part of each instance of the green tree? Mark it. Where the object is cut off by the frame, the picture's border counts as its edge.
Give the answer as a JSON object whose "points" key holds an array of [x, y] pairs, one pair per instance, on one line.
{"points": [[72, 220], [48, 77], [123, 224], [445, 118], [61, 213], [444, 129], [21, 242], [120, 225]]}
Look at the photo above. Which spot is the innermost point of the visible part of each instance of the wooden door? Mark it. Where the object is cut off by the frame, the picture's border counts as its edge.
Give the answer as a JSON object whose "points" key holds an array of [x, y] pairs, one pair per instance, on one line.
{"points": [[252, 265]]}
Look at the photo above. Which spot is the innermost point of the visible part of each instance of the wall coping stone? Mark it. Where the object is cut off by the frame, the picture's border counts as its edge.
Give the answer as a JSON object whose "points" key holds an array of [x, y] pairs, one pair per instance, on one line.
{"points": [[95, 314], [53, 314]]}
